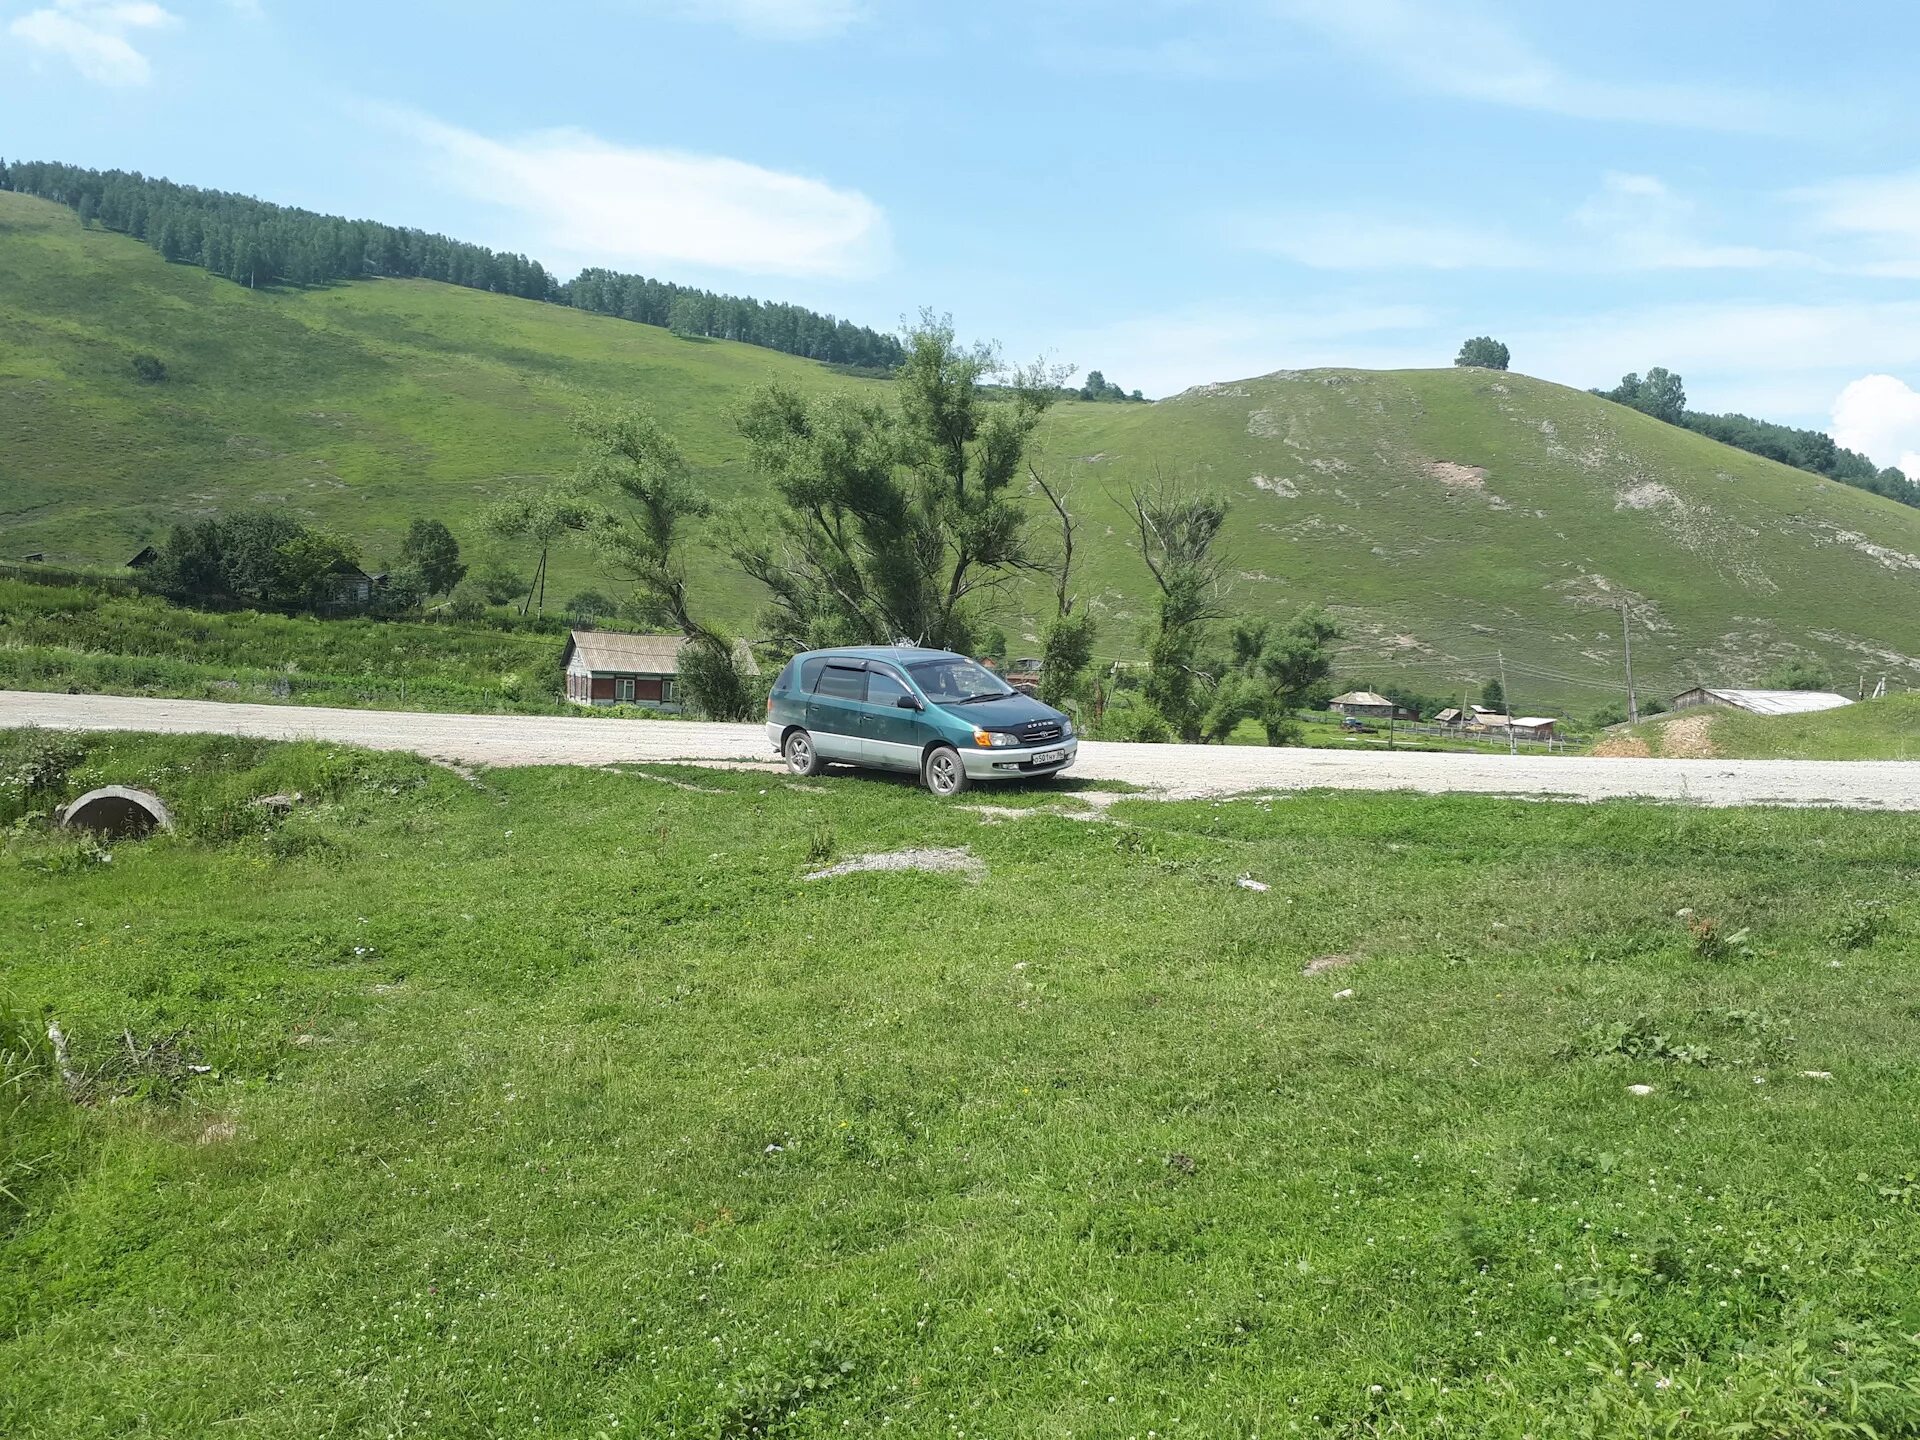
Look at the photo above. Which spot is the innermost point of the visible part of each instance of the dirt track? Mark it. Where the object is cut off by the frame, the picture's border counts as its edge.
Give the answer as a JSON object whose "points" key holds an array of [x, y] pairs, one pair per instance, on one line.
{"points": [[1177, 769]]}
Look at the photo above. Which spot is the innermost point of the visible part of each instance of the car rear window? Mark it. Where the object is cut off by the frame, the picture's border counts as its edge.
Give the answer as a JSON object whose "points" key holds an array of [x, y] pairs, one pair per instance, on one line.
{"points": [[785, 682], [842, 682], [810, 673]]}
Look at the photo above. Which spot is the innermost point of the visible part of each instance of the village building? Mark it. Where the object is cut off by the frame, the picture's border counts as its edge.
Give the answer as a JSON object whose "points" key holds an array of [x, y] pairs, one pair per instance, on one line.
{"points": [[1453, 716], [1524, 727], [346, 587], [144, 557], [605, 667], [1760, 702], [1360, 703]]}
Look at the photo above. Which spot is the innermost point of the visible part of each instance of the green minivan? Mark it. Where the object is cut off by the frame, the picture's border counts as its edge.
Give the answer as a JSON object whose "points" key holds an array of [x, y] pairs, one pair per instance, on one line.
{"points": [[931, 712]]}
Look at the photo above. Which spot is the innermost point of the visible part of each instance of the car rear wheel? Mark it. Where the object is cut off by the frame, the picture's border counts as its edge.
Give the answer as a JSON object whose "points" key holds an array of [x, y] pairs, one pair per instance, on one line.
{"points": [[943, 772], [802, 758]]}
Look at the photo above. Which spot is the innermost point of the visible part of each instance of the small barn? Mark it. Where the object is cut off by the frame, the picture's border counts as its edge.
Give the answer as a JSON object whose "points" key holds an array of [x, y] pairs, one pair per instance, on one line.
{"points": [[605, 667], [346, 587], [1760, 702], [142, 558], [1524, 727], [1452, 716], [1359, 703]]}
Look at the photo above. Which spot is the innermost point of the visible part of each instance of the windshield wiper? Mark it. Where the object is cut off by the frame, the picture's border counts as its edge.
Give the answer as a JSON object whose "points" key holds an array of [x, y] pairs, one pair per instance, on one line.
{"points": [[983, 695]]}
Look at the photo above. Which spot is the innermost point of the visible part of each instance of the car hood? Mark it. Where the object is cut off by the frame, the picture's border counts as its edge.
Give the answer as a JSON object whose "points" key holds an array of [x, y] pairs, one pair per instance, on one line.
{"points": [[1010, 712]]}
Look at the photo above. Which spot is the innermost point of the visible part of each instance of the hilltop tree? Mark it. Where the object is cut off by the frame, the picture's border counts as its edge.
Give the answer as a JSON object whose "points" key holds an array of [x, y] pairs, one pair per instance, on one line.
{"points": [[432, 553], [894, 516], [1483, 352]]}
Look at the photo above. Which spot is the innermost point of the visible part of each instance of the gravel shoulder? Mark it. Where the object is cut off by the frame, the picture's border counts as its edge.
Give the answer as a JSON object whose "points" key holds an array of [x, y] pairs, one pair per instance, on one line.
{"points": [[1177, 770]]}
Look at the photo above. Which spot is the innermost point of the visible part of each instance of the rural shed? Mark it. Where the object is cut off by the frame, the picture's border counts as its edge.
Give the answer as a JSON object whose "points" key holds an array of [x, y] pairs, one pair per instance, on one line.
{"points": [[606, 667], [1761, 702], [1362, 702]]}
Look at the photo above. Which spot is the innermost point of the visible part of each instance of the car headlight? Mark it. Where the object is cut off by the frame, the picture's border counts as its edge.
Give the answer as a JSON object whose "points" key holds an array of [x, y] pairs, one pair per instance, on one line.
{"points": [[993, 739], [1066, 729]]}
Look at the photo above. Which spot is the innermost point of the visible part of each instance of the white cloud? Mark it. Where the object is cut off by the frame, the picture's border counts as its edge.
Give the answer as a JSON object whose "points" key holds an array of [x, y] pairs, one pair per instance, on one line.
{"points": [[92, 35], [1879, 415], [1881, 212], [1638, 223], [1632, 223], [597, 202], [1373, 242], [772, 19], [1165, 353], [1460, 50]]}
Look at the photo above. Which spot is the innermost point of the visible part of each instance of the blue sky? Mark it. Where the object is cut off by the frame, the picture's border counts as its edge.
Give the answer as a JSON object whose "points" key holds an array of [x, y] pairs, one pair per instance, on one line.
{"points": [[1175, 192]]}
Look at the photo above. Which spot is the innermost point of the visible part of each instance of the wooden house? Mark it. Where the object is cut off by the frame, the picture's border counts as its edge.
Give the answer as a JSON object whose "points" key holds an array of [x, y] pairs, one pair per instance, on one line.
{"points": [[606, 667]]}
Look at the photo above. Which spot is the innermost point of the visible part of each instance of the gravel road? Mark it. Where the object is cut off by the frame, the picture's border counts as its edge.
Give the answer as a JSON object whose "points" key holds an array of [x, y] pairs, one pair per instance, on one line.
{"points": [[1176, 769]]}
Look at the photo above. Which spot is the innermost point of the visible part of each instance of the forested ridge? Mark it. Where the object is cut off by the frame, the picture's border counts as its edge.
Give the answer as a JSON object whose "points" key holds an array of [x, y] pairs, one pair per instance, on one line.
{"points": [[1663, 395], [255, 242]]}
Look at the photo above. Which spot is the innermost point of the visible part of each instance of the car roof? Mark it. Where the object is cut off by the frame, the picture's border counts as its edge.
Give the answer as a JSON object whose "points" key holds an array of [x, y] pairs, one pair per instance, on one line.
{"points": [[898, 654]]}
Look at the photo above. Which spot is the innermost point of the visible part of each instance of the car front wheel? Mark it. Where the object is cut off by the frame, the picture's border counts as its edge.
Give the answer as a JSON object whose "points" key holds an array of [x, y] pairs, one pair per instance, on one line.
{"points": [[802, 758], [943, 772]]}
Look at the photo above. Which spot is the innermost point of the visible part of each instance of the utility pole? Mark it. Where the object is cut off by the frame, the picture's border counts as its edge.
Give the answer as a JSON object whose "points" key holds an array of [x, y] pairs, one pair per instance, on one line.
{"points": [[1626, 639], [1513, 745]]}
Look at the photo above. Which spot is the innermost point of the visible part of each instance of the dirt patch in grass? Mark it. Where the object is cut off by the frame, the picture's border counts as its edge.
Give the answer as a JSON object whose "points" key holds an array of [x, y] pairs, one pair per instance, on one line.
{"points": [[960, 860], [1458, 477], [1321, 964]]}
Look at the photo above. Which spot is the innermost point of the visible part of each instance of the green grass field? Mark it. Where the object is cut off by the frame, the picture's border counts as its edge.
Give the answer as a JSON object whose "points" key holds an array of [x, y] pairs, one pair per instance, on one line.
{"points": [[559, 1102], [1885, 729], [91, 641], [1443, 515]]}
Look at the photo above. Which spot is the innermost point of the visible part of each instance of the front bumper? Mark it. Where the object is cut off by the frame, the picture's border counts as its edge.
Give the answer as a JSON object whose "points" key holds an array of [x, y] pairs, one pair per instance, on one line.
{"points": [[1016, 761]]}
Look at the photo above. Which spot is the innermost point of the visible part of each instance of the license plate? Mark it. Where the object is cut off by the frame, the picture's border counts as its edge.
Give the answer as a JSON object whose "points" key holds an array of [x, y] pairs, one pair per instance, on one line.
{"points": [[1049, 757]]}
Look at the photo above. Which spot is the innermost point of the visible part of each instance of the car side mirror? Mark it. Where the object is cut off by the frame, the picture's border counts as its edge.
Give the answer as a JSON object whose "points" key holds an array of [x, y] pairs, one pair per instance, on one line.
{"points": [[907, 702]]}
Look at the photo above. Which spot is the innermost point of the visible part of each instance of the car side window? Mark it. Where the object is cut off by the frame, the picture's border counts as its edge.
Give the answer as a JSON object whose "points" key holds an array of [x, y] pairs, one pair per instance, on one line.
{"points": [[842, 682], [884, 688], [810, 673]]}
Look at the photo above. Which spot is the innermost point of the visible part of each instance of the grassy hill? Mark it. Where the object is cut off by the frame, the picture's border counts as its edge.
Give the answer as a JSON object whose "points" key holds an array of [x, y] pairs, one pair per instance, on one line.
{"points": [[1444, 515], [1886, 729], [558, 1102]]}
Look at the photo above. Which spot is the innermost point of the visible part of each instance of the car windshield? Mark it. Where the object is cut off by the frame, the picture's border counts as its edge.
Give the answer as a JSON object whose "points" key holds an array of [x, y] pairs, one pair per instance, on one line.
{"points": [[956, 681]]}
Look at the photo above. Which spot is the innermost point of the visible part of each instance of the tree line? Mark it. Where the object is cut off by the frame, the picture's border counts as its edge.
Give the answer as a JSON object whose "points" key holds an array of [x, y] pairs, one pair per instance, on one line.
{"points": [[268, 560], [1663, 394], [254, 243]]}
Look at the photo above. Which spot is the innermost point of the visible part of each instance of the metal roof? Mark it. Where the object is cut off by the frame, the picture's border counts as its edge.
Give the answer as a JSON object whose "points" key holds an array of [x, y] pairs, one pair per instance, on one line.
{"points": [[639, 654], [642, 654], [1361, 697], [1779, 702]]}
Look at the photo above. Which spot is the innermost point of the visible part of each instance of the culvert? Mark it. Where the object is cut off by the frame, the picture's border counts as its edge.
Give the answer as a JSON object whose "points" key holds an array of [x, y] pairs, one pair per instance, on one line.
{"points": [[117, 811]]}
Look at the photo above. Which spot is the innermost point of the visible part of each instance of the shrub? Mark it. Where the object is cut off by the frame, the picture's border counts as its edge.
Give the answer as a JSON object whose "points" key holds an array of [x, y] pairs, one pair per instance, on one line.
{"points": [[149, 369]]}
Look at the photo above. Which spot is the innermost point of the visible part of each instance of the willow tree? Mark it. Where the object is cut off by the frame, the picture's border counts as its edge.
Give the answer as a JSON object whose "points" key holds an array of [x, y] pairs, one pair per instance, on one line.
{"points": [[894, 517], [641, 506]]}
